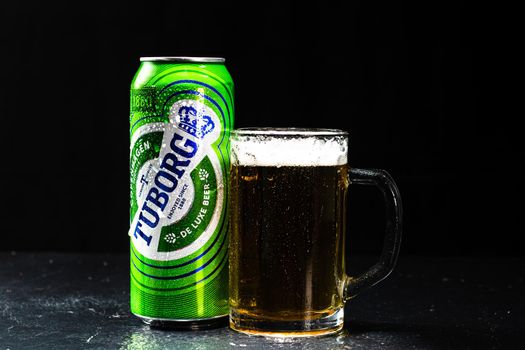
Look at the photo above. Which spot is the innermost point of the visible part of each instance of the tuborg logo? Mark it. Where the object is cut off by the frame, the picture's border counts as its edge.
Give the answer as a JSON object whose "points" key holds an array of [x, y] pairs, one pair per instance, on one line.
{"points": [[193, 124], [167, 187]]}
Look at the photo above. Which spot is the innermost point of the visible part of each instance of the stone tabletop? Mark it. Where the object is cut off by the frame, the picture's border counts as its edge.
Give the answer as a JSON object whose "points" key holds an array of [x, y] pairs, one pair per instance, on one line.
{"points": [[80, 301]]}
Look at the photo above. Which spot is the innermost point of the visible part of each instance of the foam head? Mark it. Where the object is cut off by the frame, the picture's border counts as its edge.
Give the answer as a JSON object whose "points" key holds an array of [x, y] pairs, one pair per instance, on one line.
{"points": [[289, 147]]}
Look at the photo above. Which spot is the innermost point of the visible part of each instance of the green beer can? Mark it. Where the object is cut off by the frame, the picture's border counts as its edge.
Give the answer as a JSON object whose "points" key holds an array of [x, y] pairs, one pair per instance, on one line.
{"points": [[181, 114]]}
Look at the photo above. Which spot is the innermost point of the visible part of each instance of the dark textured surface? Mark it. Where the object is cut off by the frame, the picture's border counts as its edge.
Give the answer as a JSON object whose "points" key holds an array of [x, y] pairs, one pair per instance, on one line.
{"points": [[57, 301]]}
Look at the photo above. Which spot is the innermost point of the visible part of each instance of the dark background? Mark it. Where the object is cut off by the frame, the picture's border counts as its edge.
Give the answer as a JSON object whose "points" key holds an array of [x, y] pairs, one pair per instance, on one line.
{"points": [[420, 86]]}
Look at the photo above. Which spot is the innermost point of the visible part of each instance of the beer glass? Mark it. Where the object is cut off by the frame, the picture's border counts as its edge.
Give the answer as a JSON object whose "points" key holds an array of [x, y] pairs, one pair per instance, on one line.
{"points": [[287, 209]]}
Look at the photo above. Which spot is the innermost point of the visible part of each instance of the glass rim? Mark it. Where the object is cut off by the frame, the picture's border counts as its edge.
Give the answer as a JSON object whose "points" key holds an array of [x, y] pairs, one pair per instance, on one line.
{"points": [[285, 131]]}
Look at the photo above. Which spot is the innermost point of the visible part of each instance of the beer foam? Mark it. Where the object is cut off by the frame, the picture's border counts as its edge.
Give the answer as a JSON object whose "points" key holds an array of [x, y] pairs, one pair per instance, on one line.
{"points": [[289, 148]]}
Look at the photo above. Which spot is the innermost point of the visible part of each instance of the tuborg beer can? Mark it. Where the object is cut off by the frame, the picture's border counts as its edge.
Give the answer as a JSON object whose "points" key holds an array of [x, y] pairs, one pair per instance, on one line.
{"points": [[180, 121]]}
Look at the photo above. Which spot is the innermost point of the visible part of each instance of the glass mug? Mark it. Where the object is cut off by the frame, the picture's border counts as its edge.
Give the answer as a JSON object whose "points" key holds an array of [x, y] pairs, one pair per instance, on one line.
{"points": [[287, 208]]}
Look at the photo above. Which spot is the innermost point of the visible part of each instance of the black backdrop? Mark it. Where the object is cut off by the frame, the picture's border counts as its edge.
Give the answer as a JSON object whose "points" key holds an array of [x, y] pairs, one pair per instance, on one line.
{"points": [[408, 80]]}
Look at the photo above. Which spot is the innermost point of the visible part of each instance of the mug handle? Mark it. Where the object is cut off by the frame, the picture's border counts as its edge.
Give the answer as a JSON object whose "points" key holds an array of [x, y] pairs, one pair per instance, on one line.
{"points": [[392, 242]]}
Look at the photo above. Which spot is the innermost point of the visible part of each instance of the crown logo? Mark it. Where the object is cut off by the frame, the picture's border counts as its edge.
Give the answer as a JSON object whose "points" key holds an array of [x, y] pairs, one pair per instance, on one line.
{"points": [[193, 123]]}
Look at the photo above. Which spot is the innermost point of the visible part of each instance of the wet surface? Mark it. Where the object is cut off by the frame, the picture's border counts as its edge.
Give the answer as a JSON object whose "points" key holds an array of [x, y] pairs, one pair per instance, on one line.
{"points": [[65, 301]]}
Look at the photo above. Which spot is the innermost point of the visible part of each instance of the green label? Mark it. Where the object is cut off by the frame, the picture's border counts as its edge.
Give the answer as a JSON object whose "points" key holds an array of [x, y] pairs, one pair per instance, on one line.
{"points": [[144, 101], [187, 230], [175, 199], [180, 120]]}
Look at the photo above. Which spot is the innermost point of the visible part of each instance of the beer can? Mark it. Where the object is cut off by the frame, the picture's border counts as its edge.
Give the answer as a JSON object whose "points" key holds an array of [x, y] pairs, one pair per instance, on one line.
{"points": [[181, 114]]}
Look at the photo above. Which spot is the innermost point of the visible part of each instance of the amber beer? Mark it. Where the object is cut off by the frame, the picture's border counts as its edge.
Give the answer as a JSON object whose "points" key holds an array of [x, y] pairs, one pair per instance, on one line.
{"points": [[287, 223], [287, 218], [287, 211]]}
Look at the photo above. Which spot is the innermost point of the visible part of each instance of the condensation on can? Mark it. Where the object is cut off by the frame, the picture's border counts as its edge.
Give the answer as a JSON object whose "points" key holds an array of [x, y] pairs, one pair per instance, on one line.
{"points": [[181, 114]]}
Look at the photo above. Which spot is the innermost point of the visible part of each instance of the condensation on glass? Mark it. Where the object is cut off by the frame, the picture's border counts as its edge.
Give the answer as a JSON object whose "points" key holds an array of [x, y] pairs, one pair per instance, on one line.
{"points": [[287, 205]]}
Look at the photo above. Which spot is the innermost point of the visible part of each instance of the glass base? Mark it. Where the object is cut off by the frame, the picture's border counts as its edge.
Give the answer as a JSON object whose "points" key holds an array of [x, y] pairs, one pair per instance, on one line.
{"points": [[186, 325], [248, 324]]}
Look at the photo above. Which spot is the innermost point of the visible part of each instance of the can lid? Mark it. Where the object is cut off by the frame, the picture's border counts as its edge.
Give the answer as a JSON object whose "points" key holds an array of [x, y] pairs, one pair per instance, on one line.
{"points": [[183, 59]]}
